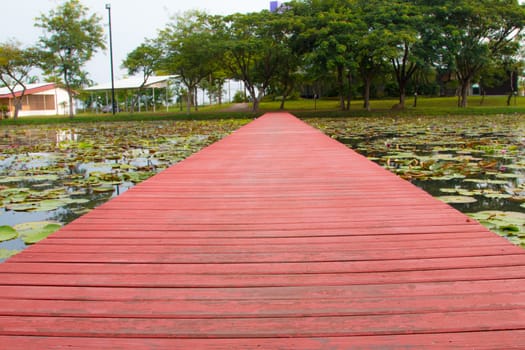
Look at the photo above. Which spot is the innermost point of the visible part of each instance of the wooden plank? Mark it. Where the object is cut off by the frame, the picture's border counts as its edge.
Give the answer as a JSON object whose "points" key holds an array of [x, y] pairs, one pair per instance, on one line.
{"points": [[448, 322], [262, 280], [491, 340], [421, 265], [445, 239], [108, 293], [174, 248], [263, 309], [234, 258]]}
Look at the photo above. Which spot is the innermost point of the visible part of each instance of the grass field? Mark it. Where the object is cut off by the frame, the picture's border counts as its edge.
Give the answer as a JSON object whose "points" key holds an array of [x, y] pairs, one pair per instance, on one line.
{"points": [[305, 108]]}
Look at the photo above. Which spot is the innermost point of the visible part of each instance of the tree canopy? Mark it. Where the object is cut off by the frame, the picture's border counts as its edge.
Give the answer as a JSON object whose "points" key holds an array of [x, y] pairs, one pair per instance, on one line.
{"points": [[70, 38], [16, 63], [336, 48]]}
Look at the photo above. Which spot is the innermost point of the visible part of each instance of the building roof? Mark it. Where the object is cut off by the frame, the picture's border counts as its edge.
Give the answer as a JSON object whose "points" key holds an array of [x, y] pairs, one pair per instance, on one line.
{"points": [[133, 83], [30, 89]]}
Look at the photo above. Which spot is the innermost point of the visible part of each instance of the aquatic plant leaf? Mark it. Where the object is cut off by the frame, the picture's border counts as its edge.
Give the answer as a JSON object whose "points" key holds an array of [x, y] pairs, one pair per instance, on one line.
{"points": [[103, 189], [457, 199], [32, 226], [22, 207], [497, 195], [37, 231], [50, 205], [7, 233], [448, 190], [6, 253]]}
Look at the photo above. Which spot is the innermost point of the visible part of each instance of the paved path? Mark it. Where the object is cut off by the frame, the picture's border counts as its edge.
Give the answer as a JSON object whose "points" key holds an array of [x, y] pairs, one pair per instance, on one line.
{"points": [[277, 237]]}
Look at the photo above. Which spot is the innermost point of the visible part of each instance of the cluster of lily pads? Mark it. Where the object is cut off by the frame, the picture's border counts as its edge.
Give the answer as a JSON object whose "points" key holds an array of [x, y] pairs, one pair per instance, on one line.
{"points": [[475, 163], [29, 233], [50, 175]]}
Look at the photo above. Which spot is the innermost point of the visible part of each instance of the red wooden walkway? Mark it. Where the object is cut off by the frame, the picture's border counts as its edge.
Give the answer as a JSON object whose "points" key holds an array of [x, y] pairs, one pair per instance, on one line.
{"points": [[277, 237]]}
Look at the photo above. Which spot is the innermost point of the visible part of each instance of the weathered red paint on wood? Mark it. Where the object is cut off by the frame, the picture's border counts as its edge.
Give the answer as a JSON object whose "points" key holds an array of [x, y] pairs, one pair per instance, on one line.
{"points": [[276, 237]]}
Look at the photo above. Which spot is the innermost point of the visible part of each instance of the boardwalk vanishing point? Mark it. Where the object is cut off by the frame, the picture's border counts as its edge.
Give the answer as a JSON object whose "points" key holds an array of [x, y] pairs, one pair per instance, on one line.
{"points": [[276, 237]]}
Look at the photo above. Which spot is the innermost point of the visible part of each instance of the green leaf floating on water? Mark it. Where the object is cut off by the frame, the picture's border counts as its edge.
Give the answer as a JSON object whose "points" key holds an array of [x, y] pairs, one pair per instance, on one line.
{"points": [[505, 223], [457, 199], [6, 254], [7, 233], [103, 189], [33, 232], [448, 190]]}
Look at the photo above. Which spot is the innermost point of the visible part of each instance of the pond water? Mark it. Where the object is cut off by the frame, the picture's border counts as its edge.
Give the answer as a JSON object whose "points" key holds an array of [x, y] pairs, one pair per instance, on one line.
{"points": [[51, 175]]}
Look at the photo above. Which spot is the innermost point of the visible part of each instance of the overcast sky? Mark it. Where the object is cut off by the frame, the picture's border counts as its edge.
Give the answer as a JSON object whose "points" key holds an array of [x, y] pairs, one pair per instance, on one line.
{"points": [[131, 20]]}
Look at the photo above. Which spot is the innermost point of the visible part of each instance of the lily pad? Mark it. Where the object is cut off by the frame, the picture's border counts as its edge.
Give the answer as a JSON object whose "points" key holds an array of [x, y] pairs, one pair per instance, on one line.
{"points": [[448, 190], [34, 232], [7, 233], [22, 207], [505, 223], [50, 205], [6, 253], [103, 189], [508, 176], [498, 195], [457, 199]]}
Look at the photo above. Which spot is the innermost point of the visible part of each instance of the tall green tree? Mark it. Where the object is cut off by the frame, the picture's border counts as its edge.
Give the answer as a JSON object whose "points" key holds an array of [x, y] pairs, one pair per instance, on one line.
{"points": [[373, 48], [144, 60], [330, 37], [189, 49], [255, 50], [403, 22], [16, 63], [284, 28], [71, 37], [475, 33]]}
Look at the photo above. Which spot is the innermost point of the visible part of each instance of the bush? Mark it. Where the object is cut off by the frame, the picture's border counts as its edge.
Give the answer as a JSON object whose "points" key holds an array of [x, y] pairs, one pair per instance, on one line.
{"points": [[4, 111], [239, 97]]}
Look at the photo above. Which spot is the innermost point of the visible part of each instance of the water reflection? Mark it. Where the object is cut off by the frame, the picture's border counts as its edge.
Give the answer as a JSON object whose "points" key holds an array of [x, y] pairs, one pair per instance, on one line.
{"points": [[66, 135]]}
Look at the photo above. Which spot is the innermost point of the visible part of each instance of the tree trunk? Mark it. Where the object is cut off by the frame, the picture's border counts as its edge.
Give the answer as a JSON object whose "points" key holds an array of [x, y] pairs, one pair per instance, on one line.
{"points": [[366, 104], [254, 96], [349, 93], [18, 106], [402, 95], [255, 105], [188, 102], [196, 97], [465, 84], [340, 87], [286, 92]]}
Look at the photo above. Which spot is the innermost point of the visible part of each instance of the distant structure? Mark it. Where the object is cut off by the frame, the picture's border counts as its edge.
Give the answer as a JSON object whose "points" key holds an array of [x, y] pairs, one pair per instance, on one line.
{"points": [[274, 6]]}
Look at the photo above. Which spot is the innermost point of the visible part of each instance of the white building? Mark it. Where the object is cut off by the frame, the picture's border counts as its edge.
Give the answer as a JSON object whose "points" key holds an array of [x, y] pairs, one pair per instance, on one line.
{"points": [[38, 100]]}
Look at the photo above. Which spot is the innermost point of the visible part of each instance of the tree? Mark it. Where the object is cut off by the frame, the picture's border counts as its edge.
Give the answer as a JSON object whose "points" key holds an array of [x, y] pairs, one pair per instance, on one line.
{"points": [[403, 23], [15, 65], [254, 50], [474, 33], [71, 38], [373, 48], [288, 74], [330, 37], [144, 59], [190, 50]]}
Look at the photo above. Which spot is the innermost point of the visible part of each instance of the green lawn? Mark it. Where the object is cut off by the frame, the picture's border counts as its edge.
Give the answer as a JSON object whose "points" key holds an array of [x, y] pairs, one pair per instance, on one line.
{"points": [[306, 108]]}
